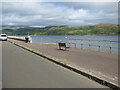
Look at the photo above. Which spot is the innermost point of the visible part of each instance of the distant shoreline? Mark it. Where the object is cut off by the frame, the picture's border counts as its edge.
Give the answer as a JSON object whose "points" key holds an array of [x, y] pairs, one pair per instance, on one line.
{"points": [[73, 35], [87, 30]]}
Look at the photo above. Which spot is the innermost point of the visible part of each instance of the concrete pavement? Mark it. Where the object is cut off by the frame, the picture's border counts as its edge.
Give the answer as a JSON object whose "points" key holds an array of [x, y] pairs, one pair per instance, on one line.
{"points": [[23, 69]]}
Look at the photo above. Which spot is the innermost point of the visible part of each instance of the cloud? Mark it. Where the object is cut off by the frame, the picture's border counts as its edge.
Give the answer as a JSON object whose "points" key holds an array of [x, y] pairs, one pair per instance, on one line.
{"points": [[59, 0], [62, 13]]}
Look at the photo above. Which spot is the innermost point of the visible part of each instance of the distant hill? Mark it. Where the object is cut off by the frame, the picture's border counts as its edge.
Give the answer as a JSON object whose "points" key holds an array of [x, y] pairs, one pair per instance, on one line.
{"points": [[99, 29]]}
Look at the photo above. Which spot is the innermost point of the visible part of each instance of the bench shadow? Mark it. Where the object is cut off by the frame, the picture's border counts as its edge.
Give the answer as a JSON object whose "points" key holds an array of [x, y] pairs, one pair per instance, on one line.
{"points": [[62, 50]]}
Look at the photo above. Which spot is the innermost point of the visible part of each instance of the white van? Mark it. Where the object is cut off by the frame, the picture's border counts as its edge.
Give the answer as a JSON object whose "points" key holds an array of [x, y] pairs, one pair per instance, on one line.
{"points": [[3, 37]]}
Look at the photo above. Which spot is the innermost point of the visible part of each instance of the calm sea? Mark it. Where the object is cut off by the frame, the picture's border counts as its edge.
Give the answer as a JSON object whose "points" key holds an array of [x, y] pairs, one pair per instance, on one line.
{"points": [[104, 45]]}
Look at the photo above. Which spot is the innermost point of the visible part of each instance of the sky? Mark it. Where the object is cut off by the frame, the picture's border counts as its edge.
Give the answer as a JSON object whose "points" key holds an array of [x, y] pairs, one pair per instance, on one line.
{"points": [[39, 14]]}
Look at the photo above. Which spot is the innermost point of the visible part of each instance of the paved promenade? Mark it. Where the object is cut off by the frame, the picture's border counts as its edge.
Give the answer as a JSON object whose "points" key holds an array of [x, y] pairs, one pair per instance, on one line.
{"points": [[102, 65]]}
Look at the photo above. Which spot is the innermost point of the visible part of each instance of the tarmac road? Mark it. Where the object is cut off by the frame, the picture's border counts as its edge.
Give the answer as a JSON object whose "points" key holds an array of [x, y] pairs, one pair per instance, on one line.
{"points": [[23, 69], [0, 65]]}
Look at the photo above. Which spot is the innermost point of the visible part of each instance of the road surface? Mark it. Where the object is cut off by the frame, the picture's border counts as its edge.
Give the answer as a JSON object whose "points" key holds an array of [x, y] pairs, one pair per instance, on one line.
{"points": [[23, 69], [0, 65]]}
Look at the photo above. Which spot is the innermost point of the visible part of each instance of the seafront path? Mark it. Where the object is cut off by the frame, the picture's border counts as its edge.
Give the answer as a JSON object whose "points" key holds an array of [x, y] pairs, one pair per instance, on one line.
{"points": [[99, 64]]}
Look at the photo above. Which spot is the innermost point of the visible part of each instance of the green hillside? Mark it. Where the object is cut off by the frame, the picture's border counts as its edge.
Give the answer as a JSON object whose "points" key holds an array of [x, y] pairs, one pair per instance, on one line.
{"points": [[99, 29]]}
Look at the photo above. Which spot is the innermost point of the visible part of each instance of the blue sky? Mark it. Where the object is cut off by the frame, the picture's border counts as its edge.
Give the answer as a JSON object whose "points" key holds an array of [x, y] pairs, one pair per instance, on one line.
{"points": [[59, 13]]}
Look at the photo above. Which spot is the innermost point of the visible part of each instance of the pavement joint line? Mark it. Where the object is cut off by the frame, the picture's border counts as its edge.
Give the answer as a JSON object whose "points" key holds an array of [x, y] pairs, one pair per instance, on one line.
{"points": [[98, 80]]}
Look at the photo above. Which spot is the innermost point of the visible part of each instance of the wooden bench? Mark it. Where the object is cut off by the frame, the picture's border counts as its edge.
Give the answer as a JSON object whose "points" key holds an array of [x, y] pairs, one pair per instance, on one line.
{"points": [[63, 45]]}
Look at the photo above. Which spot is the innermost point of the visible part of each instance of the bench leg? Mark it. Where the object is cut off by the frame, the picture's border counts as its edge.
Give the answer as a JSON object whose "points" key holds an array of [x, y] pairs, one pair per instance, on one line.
{"points": [[65, 48], [59, 47]]}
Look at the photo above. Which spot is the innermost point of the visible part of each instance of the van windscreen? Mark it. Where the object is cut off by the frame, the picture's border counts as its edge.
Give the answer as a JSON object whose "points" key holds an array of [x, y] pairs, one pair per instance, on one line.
{"points": [[3, 35]]}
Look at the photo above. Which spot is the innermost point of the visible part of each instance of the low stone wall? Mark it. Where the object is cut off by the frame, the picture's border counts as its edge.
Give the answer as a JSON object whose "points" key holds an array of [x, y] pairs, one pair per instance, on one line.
{"points": [[17, 38]]}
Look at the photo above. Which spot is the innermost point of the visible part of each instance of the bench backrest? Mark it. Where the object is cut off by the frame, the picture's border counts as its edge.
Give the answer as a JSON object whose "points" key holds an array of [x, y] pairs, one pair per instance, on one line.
{"points": [[62, 44]]}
